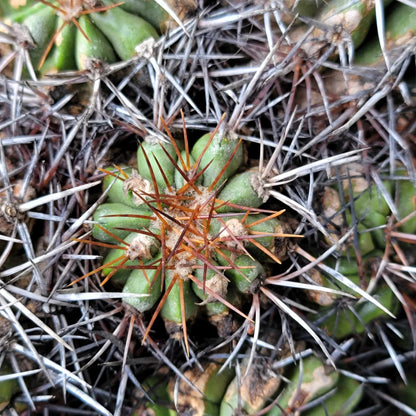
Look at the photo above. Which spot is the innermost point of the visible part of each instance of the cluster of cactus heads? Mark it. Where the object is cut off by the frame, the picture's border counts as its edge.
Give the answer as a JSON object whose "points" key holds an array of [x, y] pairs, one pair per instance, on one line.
{"points": [[261, 388], [190, 234], [68, 34], [71, 34], [186, 229], [311, 387], [381, 233]]}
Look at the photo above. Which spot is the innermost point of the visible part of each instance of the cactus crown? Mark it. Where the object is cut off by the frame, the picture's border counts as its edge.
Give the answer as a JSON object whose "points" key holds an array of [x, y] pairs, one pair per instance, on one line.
{"points": [[200, 247]]}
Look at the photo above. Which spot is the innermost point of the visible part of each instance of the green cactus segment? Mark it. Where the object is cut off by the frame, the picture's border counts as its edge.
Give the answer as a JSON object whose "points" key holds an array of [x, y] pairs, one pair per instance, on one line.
{"points": [[214, 308], [371, 211], [328, 299], [373, 221], [114, 215], [95, 47], [117, 192], [370, 241], [274, 243], [155, 14], [41, 25], [344, 266], [111, 259], [179, 180], [225, 394], [348, 267], [157, 389], [199, 245], [346, 322], [219, 314], [217, 383], [270, 227], [268, 232], [204, 398], [370, 201], [19, 14], [143, 282], [401, 23], [314, 380], [171, 309], [369, 54], [305, 8], [355, 17], [346, 398], [407, 204], [135, 246], [213, 280], [252, 393], [149, 10], [244, 189], [108, 35], [62, 56], [8, 388], [222, 150], [246, 271], [366, 240], [152, 151], [124, 30], [400, 29]]}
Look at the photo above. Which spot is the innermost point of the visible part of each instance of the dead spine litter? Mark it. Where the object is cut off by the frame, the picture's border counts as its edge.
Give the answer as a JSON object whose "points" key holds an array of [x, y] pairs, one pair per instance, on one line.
{"points": [[41, 132]]}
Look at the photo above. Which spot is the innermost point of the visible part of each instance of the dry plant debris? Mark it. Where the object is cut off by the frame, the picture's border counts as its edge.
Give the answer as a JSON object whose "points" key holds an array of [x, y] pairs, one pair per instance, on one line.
{"points": [[290, 85]]}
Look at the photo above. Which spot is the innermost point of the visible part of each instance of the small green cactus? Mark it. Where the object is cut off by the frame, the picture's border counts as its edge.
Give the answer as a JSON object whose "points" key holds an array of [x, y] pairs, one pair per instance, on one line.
{"points": [[174, 236]]}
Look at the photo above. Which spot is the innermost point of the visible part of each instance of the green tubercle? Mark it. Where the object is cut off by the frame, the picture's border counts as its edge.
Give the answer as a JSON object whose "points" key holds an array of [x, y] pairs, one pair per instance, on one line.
{"points": [[95, 47], [171, 309], [143, 282], [124, 30], [246, 188], [346, 398], [217, 155], [113, 216], [41, 25], [62, 55], [246, 271], [308, 382], [160, 164]]}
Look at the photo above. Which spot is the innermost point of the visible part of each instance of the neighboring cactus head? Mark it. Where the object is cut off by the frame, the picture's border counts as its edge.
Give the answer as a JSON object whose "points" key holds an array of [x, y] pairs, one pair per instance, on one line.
{"points": [[67, 34]]}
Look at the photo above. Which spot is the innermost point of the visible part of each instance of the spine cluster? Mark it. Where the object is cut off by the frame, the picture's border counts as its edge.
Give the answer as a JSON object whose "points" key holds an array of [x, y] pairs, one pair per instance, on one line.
{"points": [[186, 230]]}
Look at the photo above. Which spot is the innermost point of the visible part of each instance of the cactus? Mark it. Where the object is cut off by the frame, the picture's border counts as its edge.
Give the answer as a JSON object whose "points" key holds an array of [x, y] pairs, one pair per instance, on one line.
{"points": [[400, 30], [205, 256], [174, 238], [261, 390], [360, 259], [68, 34]]}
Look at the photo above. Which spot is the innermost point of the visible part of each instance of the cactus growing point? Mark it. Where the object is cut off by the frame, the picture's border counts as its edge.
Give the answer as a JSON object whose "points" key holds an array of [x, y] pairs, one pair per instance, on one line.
{"points": [[187, 243]]}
